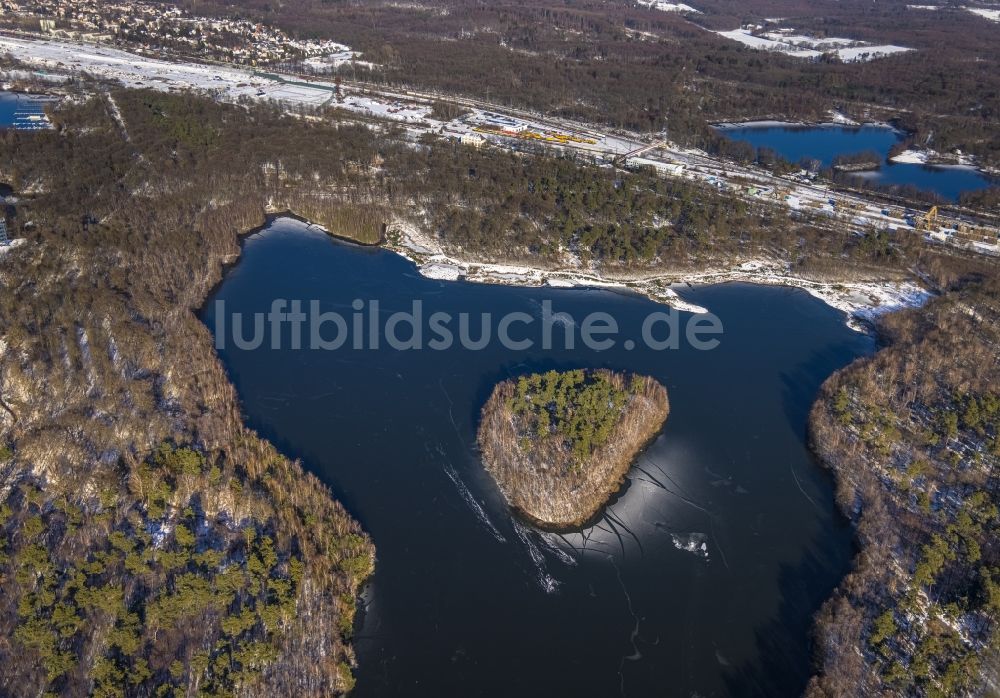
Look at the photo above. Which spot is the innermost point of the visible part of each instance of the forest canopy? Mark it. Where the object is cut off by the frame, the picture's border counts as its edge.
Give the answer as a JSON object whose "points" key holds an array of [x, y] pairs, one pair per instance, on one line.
{"points": [[559, 444]]}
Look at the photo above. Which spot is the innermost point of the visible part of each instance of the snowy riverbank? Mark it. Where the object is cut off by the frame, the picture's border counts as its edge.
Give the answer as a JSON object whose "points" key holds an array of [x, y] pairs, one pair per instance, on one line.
{"points": [[861, 301], [932, 158]]}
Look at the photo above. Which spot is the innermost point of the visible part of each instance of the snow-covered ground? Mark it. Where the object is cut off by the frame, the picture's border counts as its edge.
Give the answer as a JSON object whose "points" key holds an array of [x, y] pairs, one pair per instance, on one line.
{"points": [[127, 67], [745, 37], [16, 242], [801, 46], [956, 160], [879, 300], [338, 56], [861, 301], [852, 54], [836, 119], [668, 6], [990, 14], [424, 251], [807, 41], [231, 82], [841, 119]]}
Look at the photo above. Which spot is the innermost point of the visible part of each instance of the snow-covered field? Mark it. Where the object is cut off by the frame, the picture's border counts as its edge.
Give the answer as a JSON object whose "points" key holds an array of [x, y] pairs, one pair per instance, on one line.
{"points": [[668, 6], [861, 301], [808, 41], [230, 82], [746, 38], [841, 119], [800, 46], [120, 65]]}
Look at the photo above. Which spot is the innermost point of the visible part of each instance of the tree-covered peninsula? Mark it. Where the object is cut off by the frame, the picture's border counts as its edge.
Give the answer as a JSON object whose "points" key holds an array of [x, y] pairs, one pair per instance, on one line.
{"points": [[559, 444]]}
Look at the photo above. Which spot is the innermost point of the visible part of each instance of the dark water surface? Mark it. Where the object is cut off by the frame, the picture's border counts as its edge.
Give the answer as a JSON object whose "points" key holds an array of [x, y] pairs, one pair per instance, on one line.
{"points": [[17, 110], [467, 602], [827, 141]]}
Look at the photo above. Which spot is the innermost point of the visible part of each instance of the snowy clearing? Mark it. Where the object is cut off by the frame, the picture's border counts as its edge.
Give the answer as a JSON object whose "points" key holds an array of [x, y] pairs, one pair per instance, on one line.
{"points": [[807, 41], [668, 6], [992, 15], [801, 46], [761, 43], [911, 157], [868, 53], [837, 117]]}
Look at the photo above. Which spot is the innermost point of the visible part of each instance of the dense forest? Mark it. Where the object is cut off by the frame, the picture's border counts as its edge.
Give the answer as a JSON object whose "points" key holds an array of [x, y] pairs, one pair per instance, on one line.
{"points": [[642, 69], [559, 444], [151, 544], [578, 408], [913, 435]]}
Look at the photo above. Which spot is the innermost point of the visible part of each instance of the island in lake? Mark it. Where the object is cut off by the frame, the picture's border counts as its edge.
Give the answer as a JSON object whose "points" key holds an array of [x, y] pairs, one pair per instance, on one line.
{"points": [[559, 444]]}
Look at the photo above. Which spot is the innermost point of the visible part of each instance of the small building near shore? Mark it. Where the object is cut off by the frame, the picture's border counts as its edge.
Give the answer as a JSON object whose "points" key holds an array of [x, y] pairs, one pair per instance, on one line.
{"points": [[473, 139]]}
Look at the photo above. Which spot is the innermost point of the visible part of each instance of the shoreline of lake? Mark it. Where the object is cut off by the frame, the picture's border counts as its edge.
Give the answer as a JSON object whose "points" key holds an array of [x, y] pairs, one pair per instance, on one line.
{"points": [[779, 123], [861, 301]]}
